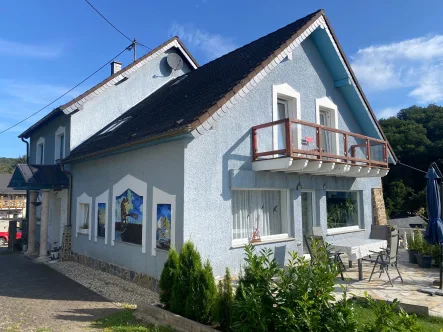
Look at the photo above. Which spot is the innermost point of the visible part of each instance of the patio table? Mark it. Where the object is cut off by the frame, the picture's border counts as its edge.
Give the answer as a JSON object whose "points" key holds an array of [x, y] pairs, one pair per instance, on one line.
{"points": [[357, 248]]}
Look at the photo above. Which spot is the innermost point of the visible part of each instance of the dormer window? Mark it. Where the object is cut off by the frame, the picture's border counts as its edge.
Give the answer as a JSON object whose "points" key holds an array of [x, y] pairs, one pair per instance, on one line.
{"points": [[40, 152], [59, 152]]}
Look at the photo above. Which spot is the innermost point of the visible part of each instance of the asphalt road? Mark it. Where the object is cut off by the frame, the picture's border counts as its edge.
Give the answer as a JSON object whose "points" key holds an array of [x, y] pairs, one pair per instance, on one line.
{"points": [[34, 297]]}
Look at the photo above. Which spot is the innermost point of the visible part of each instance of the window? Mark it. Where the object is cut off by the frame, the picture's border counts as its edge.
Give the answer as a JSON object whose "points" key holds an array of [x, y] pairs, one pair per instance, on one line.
{"points": [[60, 143], [84, 216], [343, 209], [327, 115], [40, 153], [286, 104], [265, 210]]}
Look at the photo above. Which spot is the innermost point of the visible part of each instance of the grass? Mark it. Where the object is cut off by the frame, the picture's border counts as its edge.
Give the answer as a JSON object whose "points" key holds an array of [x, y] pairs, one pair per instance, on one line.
{"points": [[365, 315], [124, 321]]}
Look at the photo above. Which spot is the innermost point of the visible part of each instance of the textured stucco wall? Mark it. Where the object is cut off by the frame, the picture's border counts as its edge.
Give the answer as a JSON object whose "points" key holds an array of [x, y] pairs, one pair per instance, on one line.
{"points": [[109, 105], [210, 158], [48, 133], [160, 166]]}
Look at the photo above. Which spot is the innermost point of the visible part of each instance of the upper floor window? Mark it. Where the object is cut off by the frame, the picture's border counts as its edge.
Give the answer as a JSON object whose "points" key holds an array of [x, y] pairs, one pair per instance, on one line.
{"points": [[60, 143], [40, 152], [327, 115], [286, 104]]}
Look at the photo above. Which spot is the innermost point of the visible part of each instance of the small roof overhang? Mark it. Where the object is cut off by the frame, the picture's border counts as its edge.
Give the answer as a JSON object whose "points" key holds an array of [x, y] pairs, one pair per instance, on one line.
{"points": [[37, 177]]}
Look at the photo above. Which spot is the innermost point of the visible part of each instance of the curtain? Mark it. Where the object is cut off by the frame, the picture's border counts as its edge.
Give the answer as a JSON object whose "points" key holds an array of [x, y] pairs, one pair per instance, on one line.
{"points": [[256, 209]]}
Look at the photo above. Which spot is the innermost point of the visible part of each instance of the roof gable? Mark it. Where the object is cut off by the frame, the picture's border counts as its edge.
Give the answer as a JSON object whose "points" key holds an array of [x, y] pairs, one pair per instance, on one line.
{"points": [[76, 103], [194, 101]]}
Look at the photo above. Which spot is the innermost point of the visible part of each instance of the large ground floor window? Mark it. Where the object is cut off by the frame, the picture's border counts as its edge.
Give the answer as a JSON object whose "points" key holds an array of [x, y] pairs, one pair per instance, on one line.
{"points": [[262, 210], [342, 209]]}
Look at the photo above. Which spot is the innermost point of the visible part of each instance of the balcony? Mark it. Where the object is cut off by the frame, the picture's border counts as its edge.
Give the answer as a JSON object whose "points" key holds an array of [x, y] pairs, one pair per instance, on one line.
{"points": [[295, 146]]}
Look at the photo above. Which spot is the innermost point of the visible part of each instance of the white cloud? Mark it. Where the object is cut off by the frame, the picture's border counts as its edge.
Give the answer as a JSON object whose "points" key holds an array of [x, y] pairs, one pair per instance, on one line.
{"points": [[415, 64], [387, 112], [18, 49], [212, 45]]}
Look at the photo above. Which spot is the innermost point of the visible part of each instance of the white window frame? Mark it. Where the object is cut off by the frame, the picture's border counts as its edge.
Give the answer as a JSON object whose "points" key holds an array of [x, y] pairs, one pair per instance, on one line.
{"points": [[326, 104], [286, 220], [314, 210], [103, 198], [39, 158], [60, 131], [348, 229], [161, 197], [286, 92], [141, 188], [83, 199]]}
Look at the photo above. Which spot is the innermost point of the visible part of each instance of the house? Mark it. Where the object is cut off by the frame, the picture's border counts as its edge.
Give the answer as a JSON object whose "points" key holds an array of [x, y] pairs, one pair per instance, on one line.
{"points": [[259, 145], [12, 202]]}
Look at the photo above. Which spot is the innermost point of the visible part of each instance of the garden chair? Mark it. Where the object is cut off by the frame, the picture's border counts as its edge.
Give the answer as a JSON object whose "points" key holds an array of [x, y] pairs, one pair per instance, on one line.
{"points": [[334, 255], [387, 257]]}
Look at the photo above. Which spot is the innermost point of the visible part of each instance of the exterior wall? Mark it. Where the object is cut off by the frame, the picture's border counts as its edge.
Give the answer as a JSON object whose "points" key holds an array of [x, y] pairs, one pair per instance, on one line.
{"points": [[221, 159], [159, 166], [48, 133], [109, 105]]}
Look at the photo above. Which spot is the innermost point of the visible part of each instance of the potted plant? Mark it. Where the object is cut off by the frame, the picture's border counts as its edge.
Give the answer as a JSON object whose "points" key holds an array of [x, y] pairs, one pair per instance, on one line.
{"points": [[412, 247], [84, 228], [424, 255]]}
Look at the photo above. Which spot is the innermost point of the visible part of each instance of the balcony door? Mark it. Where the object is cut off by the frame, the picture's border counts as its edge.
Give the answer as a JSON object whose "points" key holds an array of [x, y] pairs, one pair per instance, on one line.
{"points": [[279, 130], [325, 120]]}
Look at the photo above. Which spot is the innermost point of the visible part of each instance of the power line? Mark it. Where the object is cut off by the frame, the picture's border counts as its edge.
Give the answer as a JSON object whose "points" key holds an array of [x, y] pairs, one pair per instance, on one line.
{"points": [[64, 94], [118, 30], [420, 170]]}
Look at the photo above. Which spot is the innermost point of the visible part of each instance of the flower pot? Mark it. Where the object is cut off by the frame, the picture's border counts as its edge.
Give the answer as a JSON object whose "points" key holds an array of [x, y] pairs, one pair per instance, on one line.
{"points": [[412, 256], [424, 261], [83, 231]]}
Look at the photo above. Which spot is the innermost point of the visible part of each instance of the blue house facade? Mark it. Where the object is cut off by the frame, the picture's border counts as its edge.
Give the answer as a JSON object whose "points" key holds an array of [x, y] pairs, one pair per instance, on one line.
{"points": [[263, 145]]}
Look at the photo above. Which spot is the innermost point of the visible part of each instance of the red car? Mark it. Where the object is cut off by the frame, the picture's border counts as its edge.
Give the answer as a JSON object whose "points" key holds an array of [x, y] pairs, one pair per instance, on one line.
{"points": [[4, 237]]}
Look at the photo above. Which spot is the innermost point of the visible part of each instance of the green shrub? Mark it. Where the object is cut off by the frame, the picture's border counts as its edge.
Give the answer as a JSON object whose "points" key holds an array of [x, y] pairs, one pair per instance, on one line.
{"points": [[222, 310], [168, 278], [193, 289]]}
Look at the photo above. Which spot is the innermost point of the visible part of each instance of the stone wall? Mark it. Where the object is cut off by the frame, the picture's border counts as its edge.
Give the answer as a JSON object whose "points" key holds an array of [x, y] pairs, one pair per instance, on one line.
{"points": [[378, 207], [66, 249], [140, 279]]}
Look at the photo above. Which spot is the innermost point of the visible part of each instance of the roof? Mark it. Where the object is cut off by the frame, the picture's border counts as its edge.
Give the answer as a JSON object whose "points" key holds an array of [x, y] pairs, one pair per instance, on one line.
{"points": [[109, 81], [184, 104], [4, 181], [36, 177]]}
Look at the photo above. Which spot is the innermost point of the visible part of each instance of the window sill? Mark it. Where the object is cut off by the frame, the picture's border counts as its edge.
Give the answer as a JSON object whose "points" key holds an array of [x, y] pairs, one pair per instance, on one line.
{"points": [[264, 242], [345, 230]]}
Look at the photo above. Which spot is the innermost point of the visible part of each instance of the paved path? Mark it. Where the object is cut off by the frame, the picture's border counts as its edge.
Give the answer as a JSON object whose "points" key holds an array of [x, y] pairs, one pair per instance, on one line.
{"points": [[34, 297]]}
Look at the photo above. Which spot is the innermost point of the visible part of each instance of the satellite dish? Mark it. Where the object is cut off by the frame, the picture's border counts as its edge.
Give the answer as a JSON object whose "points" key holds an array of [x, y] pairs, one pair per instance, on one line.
{"points": [[174, 61]]}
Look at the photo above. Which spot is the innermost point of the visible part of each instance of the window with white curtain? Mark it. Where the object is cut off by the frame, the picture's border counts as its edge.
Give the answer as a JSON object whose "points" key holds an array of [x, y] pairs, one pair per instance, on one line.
{"points": [[265, 210]]}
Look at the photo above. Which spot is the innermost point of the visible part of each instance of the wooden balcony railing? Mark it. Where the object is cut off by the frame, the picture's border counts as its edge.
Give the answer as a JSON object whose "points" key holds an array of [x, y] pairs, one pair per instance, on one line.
{"points": [[305, 140], [12, 204]]}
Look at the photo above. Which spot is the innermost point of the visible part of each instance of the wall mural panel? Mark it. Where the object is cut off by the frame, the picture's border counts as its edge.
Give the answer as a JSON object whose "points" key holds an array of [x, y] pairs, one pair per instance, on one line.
{"points": [[101, 219], [163, 234], [129, 217]]}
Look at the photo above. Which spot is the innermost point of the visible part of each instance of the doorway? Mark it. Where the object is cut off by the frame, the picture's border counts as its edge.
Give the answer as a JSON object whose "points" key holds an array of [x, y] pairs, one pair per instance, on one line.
{"points": [[307, 214]]}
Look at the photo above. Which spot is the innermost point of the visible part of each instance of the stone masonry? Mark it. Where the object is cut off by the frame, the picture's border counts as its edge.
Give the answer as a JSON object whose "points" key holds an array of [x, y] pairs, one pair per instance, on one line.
{"points": [[66, 249], [378, 207]]}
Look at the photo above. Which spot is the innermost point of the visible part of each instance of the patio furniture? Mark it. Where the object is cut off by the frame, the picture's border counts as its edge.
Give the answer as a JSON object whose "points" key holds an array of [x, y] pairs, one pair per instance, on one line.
{"points": [[334, 255], [356, 248], [387, 258]]}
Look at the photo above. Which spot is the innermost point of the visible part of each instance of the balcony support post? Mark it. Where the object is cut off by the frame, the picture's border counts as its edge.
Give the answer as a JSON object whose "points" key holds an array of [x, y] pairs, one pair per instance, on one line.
{"points": [[254, 144], [368, 152], [346, 147], [288, 138]]}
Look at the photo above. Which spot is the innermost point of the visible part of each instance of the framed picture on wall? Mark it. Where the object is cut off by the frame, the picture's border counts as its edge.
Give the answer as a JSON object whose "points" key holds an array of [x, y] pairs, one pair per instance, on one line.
{"points": [[129, 217], [163, 233]]}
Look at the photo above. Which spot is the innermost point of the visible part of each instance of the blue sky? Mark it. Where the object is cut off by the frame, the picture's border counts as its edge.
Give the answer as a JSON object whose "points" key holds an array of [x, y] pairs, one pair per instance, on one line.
{"points": [[46, 47]]}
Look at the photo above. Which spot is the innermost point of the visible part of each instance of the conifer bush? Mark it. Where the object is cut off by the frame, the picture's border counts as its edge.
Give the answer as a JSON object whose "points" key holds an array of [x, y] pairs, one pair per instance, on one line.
{"points": [[222, 311], [168, 277]]}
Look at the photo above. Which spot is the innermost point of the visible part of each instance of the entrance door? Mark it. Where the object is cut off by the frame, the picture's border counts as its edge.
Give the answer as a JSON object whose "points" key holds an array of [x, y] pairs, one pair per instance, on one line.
{"points": [[279, 130], [307, 214], [325, 120]]}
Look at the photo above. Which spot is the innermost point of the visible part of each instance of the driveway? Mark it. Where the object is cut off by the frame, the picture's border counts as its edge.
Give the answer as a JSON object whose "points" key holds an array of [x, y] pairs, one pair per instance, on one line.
{"points": [[34, 297]]}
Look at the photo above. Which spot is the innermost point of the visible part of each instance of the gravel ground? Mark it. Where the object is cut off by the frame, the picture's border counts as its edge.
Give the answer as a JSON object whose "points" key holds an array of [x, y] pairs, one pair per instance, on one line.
{"points": [[111, 287]]}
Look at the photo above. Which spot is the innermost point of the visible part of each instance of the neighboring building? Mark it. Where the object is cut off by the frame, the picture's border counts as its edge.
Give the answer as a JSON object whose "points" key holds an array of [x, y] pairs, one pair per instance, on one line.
{"points": [[274, 138], [12, 202]]}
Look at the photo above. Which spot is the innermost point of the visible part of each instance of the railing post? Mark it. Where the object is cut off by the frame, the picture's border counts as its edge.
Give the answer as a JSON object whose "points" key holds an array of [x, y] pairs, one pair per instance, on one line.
{"points": [[254, 144], [346, 147], [319, 143], [368, 151], [385, 153], [288, 137]]}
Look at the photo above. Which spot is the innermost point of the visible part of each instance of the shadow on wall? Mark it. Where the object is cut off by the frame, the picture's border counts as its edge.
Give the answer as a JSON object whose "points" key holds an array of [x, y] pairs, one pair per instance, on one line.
{"points": [[229, 156]]}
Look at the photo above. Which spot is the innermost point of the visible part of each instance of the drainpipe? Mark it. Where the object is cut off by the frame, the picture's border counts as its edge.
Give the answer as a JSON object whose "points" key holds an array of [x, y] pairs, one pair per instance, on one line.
{"points": [[27, 192], [69, 175]]}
